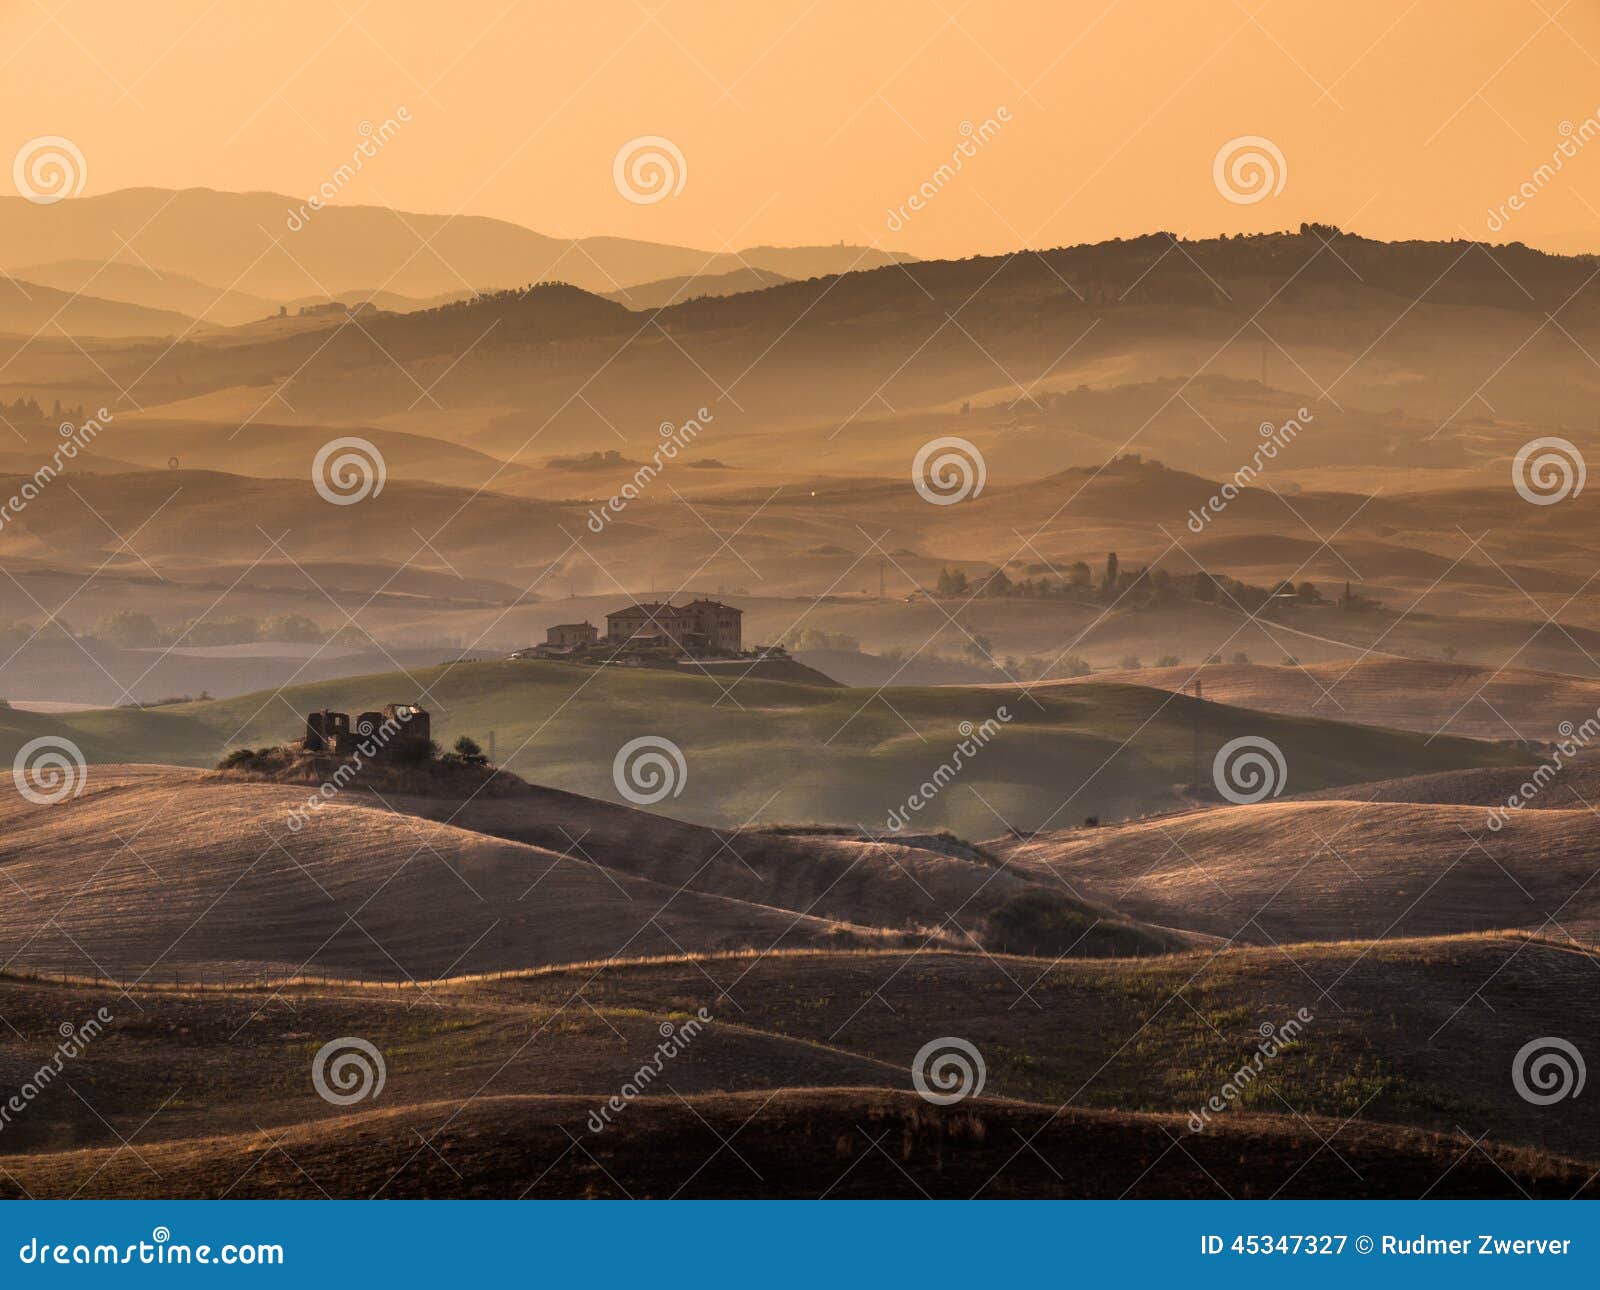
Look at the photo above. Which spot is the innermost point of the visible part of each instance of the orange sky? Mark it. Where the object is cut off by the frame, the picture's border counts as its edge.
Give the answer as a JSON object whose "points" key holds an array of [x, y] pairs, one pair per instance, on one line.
{"points": [[808, 122]]}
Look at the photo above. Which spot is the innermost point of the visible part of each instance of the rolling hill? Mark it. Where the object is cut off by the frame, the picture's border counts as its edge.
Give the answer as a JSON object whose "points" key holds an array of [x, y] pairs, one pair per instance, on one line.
{"points": [[669, 291], [1425, 695], [140, 284], [1405, 1063], [773, 752], [154, 872], [216, 879], [800, 1145], [228, 237], [27, 308], [1064, 326], [1313, 870]]}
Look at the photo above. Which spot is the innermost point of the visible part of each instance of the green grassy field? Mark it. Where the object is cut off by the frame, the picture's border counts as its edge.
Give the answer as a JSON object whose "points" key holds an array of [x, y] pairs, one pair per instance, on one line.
{"points": [[779, 752]]}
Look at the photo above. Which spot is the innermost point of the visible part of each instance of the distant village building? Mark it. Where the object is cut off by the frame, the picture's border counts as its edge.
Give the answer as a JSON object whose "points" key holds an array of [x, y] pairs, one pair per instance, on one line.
{"points": [[566, 635], [700, 629], [721, 625], [651, 624]]}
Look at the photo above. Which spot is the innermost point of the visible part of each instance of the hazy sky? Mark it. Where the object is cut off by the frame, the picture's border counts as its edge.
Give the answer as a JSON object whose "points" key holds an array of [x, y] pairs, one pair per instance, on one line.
{"points": [[809, 121]]}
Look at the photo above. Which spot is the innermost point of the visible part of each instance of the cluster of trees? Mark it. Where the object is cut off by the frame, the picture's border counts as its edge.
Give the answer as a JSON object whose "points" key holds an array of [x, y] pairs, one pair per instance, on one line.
{"points": [[466, 752], [1034, 668], [129, 629], [1133, 663], [817, 638], [1142, 588], [14, 633], [29, 410]]}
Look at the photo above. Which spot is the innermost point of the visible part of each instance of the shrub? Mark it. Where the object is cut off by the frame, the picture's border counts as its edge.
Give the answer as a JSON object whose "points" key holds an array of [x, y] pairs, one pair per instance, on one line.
{"points": [[410, 752], [468, 753], [129, 630], [295, 628], [1037, 922]]}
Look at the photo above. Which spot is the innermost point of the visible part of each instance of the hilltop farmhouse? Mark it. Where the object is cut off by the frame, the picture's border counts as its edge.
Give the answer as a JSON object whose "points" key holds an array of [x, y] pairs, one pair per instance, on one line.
{"points": [[655, 629]]}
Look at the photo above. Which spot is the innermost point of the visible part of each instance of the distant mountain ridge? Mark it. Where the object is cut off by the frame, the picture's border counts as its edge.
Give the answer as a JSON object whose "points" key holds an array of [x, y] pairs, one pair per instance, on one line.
{"points": [[244, 241], [28, 307]]}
